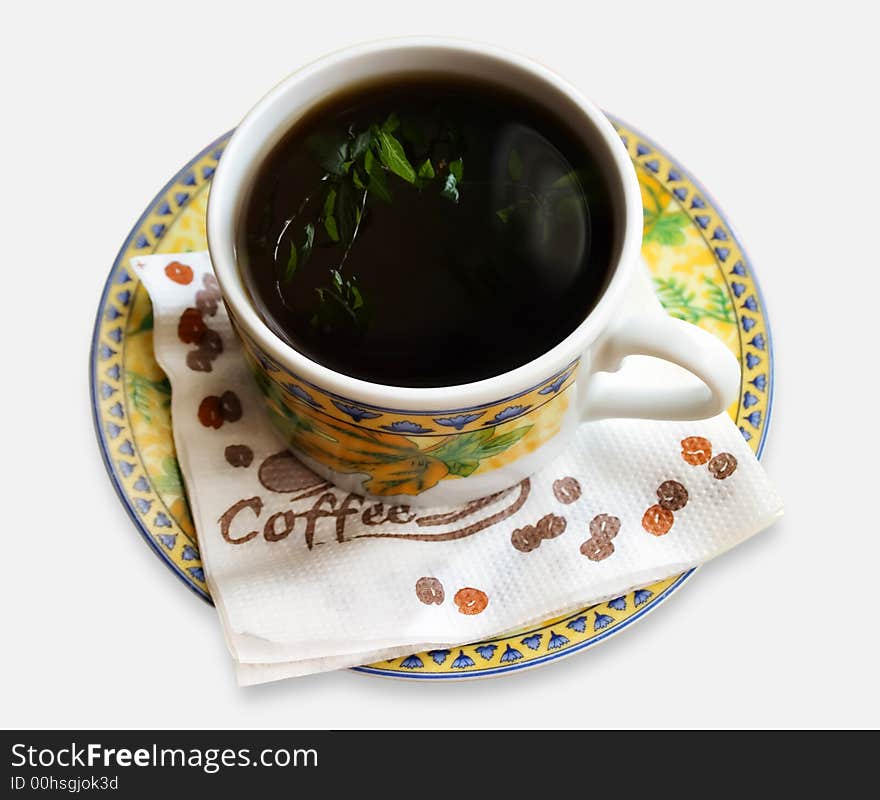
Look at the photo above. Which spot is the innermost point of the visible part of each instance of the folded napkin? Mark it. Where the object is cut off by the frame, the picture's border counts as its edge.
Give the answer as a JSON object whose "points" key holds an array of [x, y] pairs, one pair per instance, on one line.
{"points": [[307, 577]]}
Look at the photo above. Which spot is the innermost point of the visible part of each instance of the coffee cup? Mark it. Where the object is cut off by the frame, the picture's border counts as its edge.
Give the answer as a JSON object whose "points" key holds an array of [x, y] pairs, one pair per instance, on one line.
{"points": [[452, 444]]}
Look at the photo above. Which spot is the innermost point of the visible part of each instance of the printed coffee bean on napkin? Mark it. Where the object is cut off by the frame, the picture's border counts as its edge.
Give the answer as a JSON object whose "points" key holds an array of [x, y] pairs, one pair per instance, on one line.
{"points": [[308, 578]]}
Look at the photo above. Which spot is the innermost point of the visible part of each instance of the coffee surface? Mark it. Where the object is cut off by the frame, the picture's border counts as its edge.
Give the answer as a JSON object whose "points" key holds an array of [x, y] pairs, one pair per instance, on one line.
{"points": [[426, 232]]}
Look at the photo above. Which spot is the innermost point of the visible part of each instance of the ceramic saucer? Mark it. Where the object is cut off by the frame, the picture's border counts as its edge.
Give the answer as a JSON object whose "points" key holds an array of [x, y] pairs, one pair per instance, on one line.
{"points": [[700, 273]]}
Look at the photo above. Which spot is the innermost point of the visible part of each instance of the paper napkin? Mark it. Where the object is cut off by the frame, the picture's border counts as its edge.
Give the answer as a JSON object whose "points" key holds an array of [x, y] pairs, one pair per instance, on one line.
{"points": [[307, 577]]}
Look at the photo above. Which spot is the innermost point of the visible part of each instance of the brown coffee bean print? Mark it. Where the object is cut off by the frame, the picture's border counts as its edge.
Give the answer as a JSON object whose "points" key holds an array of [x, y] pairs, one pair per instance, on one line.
{"points": [[722, 466], [672, 495], [206, 302], [430, 591], [199, 361], [529, 537], [696, 450], [566, 490], [210, 284], [239, 455], [551, 526], [657, 520], [604, 527], [526, 539], [209, 412], [211, 344], [597, 549], [191, 327], [230, 406], [284, 474], [471, 601]]}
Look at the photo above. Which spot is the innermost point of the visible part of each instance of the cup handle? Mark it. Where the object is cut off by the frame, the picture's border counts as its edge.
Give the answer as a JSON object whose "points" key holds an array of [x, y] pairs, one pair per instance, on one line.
{"points": [[669, 339]]}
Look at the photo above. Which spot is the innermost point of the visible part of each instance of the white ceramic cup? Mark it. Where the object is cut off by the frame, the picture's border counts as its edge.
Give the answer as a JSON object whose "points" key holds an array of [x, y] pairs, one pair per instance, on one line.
{"points": [[453, 444]]}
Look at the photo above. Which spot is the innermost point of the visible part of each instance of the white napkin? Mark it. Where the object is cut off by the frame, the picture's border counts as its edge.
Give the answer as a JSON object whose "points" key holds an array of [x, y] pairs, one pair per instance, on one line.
{"points": [[357, 595]]}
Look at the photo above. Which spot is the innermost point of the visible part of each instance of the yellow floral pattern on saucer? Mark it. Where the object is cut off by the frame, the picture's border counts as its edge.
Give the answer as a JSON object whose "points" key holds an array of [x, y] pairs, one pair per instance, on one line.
{"points": [[700, 274]]}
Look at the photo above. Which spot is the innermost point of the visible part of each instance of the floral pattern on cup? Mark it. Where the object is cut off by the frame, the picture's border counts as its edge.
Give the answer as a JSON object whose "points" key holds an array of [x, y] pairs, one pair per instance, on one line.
{"points": [[405, 452]]}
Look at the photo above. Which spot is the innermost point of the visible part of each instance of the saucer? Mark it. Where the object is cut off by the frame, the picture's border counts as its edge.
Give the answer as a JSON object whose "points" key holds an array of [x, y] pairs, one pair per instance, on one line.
{"points": [[700, 274]]}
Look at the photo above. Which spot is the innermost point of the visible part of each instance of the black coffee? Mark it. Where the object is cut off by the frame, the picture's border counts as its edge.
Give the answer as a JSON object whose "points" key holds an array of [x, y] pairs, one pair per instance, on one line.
{"points": [[427, 232]]}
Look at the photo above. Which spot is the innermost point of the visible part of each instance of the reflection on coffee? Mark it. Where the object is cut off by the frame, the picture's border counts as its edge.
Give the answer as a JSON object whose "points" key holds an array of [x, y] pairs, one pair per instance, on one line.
{"points": [[427, 232]]}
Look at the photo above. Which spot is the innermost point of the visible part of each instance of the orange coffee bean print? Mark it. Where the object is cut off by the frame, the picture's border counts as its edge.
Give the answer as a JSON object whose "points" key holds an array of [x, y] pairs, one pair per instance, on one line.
{"points": [[430, 591], [471, 601], [210, 414], [696, 450], [191, 327], [657, 520], [722, 466], [179, 273]]}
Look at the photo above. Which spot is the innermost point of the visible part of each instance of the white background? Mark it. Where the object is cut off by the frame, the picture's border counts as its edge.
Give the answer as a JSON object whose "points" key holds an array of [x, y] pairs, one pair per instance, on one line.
{"points": [[772, 106]]}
